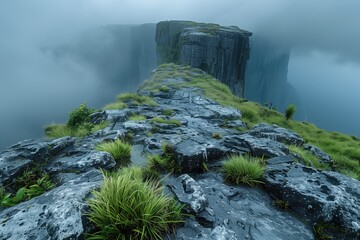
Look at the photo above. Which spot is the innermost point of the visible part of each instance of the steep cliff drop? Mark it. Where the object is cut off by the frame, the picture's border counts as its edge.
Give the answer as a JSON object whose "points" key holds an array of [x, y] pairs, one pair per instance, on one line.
{"points": [[266, 76], [220, 51]]}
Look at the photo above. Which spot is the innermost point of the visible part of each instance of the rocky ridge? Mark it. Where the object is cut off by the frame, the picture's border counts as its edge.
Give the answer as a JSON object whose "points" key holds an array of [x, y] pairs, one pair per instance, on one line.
{"points": [[321, 200]]}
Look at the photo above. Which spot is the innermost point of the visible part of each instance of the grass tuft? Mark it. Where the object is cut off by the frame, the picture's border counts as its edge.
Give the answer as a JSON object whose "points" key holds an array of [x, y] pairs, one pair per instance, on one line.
{"points": [[136, 99], [119, 149], [137, 117], [166, 121], [241, 171], [290, 111], [115, 106], [216, 135], [127, 208]]}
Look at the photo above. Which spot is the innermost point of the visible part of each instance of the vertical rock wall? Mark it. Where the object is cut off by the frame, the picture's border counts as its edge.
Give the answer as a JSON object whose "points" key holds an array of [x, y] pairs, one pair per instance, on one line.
{"points": [[266, 76], [220, 51]]}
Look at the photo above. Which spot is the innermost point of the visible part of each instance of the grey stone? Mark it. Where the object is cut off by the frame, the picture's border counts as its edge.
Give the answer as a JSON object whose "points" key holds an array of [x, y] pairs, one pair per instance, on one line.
{"points": [[317, 196], [240, 213], [82, 163], [57, 214], [276, 133], [137, 126], [258, 147], [188, 192], [317, 152]]}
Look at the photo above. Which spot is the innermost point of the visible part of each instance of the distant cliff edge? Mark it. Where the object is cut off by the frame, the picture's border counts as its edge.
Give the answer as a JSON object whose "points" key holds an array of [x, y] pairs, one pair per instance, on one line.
{"points": [[220, 51]]}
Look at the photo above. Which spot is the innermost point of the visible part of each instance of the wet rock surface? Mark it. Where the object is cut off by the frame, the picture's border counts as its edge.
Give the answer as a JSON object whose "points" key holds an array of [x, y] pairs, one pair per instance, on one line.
{"points": [[234, 212], [203, 138], [318, 196], [276, 133]]}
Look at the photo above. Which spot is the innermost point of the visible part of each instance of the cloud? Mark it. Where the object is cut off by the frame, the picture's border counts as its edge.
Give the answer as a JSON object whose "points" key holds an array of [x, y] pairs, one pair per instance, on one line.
{"points": [[34, 84]]}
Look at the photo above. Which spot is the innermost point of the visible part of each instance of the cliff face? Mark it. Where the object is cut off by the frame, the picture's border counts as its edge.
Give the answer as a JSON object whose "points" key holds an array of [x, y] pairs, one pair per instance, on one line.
{"points": [[266, 76], [220, 51]]}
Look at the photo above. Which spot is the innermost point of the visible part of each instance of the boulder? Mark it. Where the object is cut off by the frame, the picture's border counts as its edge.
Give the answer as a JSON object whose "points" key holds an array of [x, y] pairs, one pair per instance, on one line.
{"points": [[317, 152], [57, 214], [233, 212], [317, 196], [276, 133], [258, 147]]}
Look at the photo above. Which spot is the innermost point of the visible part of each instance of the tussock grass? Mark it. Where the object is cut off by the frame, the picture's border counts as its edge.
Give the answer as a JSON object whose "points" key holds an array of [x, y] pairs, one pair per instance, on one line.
{"points": [[127, 208], [290, 111], [119, 149], [242, 171]]}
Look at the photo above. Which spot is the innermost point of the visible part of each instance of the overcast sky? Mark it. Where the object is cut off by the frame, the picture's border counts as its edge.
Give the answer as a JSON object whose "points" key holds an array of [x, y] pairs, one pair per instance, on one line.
{"points": [[322, 33]]}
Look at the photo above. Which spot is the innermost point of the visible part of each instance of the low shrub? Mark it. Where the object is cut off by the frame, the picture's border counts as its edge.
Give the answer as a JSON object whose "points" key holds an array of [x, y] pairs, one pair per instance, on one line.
{"points": [[127, 208], [241, 171], [78, 125], [119, 149], [290, 111], [79, 116], [34, 188]]}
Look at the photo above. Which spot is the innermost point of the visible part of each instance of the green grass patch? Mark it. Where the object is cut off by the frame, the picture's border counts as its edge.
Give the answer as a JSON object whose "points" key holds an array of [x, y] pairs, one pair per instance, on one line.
{"points": [[166, 162], [115, 106], [119, 149], [216, 135], [166, 121], [125, 207], [167, 112], [78, 124], [61, 130], [309, 159], [242, 171], [137, 117], [344, 149], [136, 99]]}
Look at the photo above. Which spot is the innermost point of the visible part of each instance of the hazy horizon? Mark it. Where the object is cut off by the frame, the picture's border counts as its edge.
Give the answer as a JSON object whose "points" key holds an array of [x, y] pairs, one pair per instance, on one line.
{"points": [[37, 88]]}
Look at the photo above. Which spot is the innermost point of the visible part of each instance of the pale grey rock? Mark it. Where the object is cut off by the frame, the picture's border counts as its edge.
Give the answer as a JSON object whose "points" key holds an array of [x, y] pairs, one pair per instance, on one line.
{"points": [[57, 214], [276, 133], [317, 152], [317, 195]]}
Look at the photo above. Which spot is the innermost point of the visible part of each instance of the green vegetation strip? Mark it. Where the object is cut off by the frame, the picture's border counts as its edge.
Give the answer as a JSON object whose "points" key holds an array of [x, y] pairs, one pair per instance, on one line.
{"points": [[78, 124]]}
